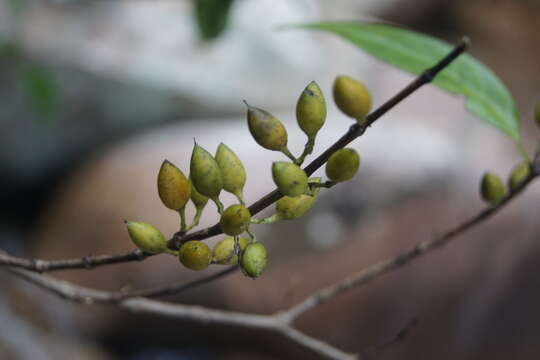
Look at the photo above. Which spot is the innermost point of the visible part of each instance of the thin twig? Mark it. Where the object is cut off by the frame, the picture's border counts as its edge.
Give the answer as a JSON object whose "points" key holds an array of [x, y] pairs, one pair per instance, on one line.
{"points": [[375, 271], [195, 313], [87, 262]]}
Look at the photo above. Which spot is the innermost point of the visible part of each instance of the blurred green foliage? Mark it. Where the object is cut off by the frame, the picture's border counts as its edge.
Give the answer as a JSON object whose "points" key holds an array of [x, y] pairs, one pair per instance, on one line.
{"points": [[212, 17]]}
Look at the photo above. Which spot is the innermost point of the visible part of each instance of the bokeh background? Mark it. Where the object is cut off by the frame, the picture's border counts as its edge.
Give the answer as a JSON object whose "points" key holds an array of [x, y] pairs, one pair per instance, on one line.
{"points": [[94, 94]]}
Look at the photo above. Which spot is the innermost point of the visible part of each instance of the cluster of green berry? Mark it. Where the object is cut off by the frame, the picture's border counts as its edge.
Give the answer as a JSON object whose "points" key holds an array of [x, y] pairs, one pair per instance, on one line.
{"points": [[209, 175]]}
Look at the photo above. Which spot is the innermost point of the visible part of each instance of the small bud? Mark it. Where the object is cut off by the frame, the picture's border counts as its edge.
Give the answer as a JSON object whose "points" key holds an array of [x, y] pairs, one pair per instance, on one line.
{"points": [[492, 188], [290, 179], [224, 253], [235, 219], [343, 165], [352, 97], [518, 175], [254, 259], [174, 188], [232, 170], [198, 199], [195, 255], [267, 131], [146, 237], [205, 173], [311, 110]]}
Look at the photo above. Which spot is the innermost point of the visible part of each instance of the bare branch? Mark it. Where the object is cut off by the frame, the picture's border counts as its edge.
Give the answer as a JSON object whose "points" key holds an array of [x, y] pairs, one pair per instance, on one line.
{"points": [[195, 313], [87, 262], [375, 271]]}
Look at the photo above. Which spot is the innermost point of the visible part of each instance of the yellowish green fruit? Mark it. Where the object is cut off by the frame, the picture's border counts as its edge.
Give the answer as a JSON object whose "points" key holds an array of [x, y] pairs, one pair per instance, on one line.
{"points": [[195, 255], [311, 110], [198, 199], [290, 179], [232, 170], [205, 173], [174, 188], [266, 129], [352, 97], [254, 260], [224, 253], [343, 165], [518, 175], [289, 208], [146, 237], [235, 219], [492, 188]]}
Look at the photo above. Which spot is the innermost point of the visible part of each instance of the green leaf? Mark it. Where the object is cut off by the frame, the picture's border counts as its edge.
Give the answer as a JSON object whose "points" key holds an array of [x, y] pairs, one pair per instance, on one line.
{"points": [[212, 16], [486, 96]]}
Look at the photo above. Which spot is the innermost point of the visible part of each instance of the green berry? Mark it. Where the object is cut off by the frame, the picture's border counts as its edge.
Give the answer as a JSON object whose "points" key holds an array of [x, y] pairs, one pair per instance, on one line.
{"points": [[289, 208], [174, 188], [198, 199], [205, 173], [311, 110], [232, 170], [518, 175], [146, 237], [195, 255], [224, 253], [266, 129], [343, 165], [290, 179], [254, 260], [492, 188], [352, 97], [235, 219]]}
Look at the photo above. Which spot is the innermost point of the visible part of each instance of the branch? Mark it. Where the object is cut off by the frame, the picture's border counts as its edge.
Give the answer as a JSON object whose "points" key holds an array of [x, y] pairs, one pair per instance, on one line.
{"points": [[87, 262], [375, 271], [273, 323], [355, 131]]}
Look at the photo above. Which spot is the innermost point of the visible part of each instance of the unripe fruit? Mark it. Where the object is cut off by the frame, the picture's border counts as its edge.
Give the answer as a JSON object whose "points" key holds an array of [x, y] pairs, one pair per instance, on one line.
{"points": [[205, 173], [173, 187], [235, 219], [254, 259], [198, 199], [311, 110], [518, 175], [289, 208], [343, 165], [352, 97], [492, 188], [290, 179], [195, 255], [267, 131], [224, 253], [232, 170], [146, 237]]}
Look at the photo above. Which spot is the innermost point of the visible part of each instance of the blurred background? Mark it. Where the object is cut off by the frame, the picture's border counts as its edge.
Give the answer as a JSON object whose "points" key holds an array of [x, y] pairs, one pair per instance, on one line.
{"points": [[94, 94]]}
